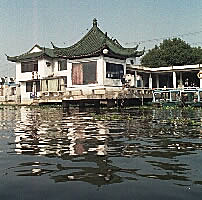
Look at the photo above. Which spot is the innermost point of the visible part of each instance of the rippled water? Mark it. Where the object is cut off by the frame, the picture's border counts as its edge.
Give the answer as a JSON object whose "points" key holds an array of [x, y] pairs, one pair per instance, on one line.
{"points": [[135, 154]]}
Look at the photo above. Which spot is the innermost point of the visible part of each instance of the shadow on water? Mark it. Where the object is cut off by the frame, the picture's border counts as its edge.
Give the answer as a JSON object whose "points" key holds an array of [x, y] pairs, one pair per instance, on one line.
{"points": [[112, 147]]}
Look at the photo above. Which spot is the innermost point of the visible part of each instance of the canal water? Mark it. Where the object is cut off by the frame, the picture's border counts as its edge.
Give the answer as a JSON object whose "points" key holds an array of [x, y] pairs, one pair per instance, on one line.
{"points": [[137, 153]]}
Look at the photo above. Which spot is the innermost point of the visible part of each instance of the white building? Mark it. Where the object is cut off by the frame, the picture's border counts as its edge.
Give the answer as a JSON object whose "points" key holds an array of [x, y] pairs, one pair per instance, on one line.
{"points": [[94, 67], [188, 76], [96, 61]]}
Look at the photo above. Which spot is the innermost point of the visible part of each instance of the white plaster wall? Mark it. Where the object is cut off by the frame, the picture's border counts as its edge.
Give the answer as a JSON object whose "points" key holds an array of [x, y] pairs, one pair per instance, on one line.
{"points": [[43, 69], [35, 49], [129, 60], [22, 76], [69, 74], [100, 70], [25, 96], [56, 71], [55, 67]]}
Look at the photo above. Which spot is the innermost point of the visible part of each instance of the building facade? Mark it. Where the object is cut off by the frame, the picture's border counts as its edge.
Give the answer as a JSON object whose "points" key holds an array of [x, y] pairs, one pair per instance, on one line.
{"points": [[95, 61], [8, 90], [187, 76]]}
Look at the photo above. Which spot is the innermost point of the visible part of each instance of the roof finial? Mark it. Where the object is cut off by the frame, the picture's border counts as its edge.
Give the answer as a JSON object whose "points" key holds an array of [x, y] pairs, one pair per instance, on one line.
{"points": [[94, 22]]}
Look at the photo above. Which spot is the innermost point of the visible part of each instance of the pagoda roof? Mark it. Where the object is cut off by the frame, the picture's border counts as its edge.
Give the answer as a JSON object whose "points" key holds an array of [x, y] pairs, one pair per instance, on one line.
{"points": [[35, 52], [93, 44]]}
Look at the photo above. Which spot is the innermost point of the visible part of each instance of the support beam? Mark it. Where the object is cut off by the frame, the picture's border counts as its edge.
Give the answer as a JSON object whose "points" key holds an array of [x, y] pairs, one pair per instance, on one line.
{"points": [[150, 81], [174, 80], [181, 82], [135, 79], [157, 80], [65, 106], [100, 71], [82, 106], [110, 103], [201, 80], [69, 74], [97, 106]]}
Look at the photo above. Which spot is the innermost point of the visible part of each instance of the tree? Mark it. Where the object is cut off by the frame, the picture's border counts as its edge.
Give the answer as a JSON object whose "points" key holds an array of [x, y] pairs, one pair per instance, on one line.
{"points": [[197, 54], [172, 52]]}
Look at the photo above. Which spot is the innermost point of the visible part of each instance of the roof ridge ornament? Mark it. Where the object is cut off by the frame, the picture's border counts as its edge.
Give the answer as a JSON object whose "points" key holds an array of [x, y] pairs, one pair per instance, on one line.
{"points": [[54, 47], [95, 22]]}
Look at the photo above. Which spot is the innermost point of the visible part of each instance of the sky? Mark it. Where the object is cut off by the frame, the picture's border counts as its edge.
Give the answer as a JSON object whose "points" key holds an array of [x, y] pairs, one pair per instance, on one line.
{"points": [[24, 23]]}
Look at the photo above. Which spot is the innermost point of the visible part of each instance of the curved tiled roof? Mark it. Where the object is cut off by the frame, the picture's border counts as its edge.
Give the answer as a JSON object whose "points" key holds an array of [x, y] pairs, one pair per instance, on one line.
{"points": [[26, 56], [93, 43]]}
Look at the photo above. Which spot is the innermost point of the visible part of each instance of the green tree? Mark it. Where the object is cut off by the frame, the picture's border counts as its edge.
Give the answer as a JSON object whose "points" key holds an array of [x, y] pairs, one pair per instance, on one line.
{"points": [[172, 52], [197, 54]]}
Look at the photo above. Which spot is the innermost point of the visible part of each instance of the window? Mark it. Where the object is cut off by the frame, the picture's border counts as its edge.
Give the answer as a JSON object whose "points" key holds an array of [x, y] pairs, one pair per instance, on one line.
{"points": [[29, 66], [44, 85], [84, 73], [38, 86], [65, 81], [29, 86], [13, 91], [53, 85], [114, 71], [62, 65]]}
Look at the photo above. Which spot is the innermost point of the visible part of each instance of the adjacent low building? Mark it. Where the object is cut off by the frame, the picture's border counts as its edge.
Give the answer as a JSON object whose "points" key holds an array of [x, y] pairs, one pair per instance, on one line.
{"points": [[167, 77], [8, 90]]}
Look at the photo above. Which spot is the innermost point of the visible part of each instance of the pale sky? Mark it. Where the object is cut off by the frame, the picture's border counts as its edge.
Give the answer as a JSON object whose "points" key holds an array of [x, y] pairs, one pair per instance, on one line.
{"points": [[25, 23]]}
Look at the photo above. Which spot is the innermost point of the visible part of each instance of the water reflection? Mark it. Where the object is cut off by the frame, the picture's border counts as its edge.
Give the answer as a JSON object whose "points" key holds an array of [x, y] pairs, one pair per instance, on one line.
{"points": [[53, 133], [153, 144]]}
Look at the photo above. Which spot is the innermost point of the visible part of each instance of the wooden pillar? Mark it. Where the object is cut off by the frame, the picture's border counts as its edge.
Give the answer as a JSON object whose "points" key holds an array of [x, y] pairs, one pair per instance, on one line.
{"points": [[135, 79], [82, 107], [110, 103], [65, 106], [97, 106]]}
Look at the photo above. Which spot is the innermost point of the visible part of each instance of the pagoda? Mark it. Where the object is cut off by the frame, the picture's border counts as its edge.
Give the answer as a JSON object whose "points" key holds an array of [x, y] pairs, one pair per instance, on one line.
{"points": [[96, 60], [96, 43]]}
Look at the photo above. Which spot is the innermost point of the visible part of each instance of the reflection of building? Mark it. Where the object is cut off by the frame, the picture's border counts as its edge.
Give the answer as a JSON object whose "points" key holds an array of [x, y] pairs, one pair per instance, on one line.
{"points": [[68, 136]]}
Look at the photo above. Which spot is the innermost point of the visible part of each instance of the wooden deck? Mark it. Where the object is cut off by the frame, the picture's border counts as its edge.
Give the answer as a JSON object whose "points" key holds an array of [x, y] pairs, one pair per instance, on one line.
{"points": [[104, 95]]}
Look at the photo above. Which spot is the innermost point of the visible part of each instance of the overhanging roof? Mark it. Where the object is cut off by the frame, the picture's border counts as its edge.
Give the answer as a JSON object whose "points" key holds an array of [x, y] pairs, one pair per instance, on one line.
{"points": [[163, 69], [91, 45], [42, 51]]}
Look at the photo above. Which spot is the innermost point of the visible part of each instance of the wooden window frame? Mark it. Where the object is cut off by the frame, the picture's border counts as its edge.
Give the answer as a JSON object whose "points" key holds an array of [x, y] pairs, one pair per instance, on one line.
{"points": [[114, 71]]}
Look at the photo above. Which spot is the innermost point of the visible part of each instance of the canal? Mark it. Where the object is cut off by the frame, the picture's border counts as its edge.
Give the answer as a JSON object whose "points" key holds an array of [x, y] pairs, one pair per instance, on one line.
{"points": [[137, 153]]}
